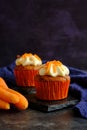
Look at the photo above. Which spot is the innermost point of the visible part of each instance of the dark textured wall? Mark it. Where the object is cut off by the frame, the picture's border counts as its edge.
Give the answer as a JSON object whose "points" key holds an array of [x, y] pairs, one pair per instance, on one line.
{"points": [[53, 29]]}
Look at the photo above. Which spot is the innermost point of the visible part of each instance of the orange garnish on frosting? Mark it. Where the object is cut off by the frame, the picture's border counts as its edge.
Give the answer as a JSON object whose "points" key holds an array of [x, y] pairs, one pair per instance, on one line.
{"points": [[54, 63], [57, 63], [54, 69], [26, 55], [37, 57], [30, 54], [48, 65]]}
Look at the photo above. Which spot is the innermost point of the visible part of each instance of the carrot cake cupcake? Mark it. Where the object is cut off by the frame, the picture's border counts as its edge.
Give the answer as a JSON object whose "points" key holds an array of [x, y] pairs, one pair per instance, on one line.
{"points": [[26, 68], [52, 82]]}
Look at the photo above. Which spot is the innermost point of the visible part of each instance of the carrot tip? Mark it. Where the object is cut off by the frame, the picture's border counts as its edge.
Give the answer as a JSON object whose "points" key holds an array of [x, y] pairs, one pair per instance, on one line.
{"points": [[8, 107]]}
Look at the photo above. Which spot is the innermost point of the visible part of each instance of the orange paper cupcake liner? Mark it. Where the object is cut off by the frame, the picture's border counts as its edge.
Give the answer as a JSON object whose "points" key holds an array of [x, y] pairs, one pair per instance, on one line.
{"points": [[25, 77], [52, 90]]}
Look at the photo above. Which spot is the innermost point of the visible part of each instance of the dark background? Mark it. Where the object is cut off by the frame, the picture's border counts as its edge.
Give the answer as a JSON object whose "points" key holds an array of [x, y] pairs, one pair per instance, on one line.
{"points": [[53, 29]]}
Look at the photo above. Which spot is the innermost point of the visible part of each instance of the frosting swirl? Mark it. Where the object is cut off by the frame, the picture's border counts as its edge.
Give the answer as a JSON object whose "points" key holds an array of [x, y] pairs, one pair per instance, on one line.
{"points": [[54, 68], [28, 59]]}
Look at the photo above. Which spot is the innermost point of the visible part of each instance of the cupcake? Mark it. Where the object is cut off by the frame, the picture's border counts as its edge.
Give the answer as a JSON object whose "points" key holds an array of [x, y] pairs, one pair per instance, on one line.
{"points": [[52, 82], [26, 68]]}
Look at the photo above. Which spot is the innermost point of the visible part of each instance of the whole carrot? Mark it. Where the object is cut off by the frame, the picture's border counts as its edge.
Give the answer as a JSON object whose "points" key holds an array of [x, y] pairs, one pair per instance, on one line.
{"points": [[3, 83], [8, 96], [23, 102], [4, 105], [12, 96]]}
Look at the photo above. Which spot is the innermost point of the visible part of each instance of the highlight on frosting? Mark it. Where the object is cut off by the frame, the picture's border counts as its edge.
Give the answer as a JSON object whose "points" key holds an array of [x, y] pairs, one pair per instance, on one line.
{"points": [[54, 68], [28, 59]]}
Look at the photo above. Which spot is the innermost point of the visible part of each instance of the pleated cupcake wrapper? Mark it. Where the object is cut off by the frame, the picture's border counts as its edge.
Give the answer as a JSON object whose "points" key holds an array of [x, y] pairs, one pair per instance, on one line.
{"points": [[25, 77], [52, 90]]}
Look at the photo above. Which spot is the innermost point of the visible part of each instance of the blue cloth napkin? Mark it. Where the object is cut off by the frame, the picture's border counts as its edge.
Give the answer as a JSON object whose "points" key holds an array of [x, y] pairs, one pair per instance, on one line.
{"points": [[78, 86]]}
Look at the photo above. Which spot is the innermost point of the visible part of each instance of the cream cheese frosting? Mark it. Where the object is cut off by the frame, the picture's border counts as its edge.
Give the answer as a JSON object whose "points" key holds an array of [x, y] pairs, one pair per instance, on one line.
{"points": [[54, 68], [28, 59]]}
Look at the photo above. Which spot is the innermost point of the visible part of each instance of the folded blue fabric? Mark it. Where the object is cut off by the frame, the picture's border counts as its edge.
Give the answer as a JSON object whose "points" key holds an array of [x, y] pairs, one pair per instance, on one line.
{"points": [[78, 88], [7, 73], [78, 85]]}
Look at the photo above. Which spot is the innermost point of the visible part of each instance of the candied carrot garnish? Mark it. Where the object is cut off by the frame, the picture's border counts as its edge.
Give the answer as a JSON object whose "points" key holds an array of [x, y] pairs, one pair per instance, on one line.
{"points": [[26, 54], [37, 57], [54, 68], [58, 63], [48, 65], [55, 64]]}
